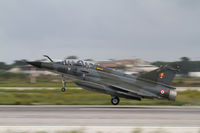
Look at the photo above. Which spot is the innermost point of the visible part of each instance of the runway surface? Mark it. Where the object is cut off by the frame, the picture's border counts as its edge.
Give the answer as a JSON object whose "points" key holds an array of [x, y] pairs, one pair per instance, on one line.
{"points": [[100, 116]]}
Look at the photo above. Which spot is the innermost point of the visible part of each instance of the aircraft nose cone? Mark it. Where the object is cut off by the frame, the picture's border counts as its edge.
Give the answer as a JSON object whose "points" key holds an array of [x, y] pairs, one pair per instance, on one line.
{"points": [[35, 63]]}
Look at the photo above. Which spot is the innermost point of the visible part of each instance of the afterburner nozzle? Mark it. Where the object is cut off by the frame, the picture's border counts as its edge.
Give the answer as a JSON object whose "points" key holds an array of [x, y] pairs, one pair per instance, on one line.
{"points": [[172, 94]]}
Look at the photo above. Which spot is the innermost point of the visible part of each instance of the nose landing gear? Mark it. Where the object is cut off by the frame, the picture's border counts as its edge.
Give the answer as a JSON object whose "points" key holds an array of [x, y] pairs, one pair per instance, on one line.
{"points": [[115, 100], [64, 84], [63, 89]]}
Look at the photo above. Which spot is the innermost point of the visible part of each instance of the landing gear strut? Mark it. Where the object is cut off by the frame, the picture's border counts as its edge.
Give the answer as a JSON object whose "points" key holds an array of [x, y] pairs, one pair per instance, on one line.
{"points": [[115, 100], [64, 84]]}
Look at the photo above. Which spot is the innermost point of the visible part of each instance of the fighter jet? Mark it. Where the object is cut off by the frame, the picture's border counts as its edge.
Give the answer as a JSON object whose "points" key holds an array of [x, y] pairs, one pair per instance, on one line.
{"points": [[94, 77]]}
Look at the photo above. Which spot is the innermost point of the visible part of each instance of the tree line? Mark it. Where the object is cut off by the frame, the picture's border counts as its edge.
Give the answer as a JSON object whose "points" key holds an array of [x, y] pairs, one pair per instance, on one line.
{"points": [[185, 63]]}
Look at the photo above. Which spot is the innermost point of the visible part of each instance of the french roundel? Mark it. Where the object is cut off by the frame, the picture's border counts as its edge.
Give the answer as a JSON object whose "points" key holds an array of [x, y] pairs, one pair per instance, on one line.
{"points": [[162, 92], [162, 75]]}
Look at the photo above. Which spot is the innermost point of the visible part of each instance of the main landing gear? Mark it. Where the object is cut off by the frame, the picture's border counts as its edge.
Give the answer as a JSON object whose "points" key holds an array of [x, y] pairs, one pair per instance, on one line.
{"points": [[64, 84], [115, 100]]}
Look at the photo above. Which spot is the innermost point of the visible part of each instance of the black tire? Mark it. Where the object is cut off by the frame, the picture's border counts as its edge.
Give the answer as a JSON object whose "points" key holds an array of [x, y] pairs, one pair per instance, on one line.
{"points": [[115, 100], [63, 89]]}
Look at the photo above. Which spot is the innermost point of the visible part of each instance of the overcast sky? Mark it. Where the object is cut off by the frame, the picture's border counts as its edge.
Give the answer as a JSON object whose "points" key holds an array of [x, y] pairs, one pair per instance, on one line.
{"points": [[100, 29]]}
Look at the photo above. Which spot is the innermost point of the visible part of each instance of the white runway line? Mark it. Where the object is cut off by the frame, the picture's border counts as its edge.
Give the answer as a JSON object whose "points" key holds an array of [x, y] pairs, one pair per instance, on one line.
{"points": [[97, 129]]}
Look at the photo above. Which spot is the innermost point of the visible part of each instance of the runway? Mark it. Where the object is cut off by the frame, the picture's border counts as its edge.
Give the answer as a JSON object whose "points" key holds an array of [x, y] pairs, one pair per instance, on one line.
{"points": [[153, 116]]}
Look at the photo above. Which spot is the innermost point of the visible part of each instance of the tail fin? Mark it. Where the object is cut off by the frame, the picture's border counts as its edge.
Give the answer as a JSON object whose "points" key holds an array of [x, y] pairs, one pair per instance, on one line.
{"points": [[164, 74]]}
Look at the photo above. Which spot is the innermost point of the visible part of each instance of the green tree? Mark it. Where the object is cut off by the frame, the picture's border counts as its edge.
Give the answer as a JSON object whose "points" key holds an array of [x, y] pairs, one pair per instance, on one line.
{"points": [[89, 60], [19, 63], [4, 66], [186, 59], [185, 66], [72, 57]]}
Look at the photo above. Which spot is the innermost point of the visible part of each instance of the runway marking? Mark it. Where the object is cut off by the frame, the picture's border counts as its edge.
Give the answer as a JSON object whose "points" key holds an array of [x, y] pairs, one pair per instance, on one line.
{"points": [[97, 129]]}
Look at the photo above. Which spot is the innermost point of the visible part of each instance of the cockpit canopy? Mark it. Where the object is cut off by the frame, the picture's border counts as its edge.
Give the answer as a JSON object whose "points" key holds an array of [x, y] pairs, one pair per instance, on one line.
{"points": [[79, 63]]}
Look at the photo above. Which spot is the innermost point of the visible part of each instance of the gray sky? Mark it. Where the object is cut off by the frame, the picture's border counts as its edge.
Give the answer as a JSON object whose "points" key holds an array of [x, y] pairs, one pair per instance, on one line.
{"points": [[100, 29]]}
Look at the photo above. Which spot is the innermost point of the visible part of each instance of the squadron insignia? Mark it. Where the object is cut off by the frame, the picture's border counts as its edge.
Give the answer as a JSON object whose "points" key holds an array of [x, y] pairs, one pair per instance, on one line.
{"points": [[162, 75]]}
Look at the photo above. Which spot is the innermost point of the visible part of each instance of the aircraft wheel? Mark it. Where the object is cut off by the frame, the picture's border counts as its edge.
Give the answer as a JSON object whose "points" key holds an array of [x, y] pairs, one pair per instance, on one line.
{"points": [[63, 89], [115, 100]]}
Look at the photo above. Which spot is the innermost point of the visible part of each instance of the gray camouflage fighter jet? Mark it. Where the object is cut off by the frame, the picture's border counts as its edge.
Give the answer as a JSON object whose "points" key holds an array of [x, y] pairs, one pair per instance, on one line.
{"points": [[151, 85]]}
